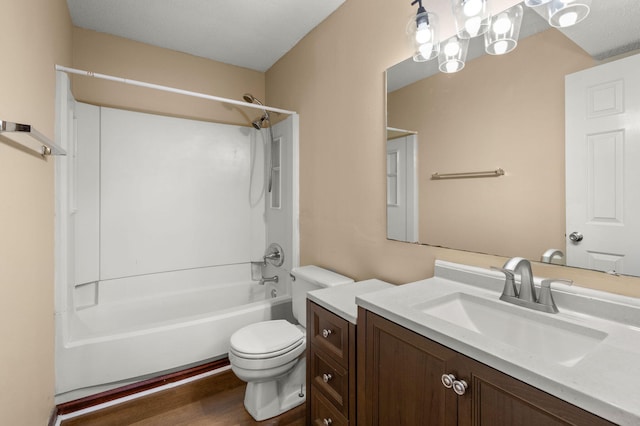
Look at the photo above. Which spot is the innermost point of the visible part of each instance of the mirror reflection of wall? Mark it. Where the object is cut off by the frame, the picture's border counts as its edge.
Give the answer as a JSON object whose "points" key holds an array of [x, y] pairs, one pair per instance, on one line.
{"points": [[499, 112]]}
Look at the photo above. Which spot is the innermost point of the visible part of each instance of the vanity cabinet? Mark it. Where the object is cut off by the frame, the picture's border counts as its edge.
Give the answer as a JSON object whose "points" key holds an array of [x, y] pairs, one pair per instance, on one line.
{"points": [[331, 372], [401, 383]]}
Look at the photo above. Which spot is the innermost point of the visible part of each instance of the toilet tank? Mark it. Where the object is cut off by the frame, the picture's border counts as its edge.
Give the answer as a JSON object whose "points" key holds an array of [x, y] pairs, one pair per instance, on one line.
{"points": [[309, 278]]}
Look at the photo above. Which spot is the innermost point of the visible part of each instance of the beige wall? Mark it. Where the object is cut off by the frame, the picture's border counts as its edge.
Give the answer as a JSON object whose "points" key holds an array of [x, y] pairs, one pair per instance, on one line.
{"points": [[335, 79], [504, 111], [116, 56], [36, 35]]}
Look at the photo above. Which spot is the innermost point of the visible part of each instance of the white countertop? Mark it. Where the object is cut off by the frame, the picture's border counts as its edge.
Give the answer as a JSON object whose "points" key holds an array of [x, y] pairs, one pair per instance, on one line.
{"points": [[606, 381], [341, 299]]}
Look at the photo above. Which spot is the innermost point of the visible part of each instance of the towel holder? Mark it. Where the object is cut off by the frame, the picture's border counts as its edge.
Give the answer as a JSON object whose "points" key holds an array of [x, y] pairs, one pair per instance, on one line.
{"points": [[489, 173], [48, 147]]}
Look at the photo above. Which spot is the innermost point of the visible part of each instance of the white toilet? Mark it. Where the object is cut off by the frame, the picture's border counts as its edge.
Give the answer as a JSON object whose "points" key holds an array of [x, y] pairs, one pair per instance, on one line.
{"points": [[270, 355]]}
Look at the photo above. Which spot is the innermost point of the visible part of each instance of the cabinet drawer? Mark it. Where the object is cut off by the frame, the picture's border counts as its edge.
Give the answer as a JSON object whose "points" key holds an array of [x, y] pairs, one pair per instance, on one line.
{"points": [[329, 332], [323, 413], [331, 379]]}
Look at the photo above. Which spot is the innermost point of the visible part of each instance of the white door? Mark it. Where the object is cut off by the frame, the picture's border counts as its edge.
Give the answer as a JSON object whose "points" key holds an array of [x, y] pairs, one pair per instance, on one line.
{"points": [[603, 167], [402, 189]]}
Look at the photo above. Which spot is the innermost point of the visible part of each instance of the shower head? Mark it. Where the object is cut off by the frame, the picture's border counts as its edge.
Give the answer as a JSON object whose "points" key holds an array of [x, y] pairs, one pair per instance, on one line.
{"points": [[248, 97], [258, 123]]}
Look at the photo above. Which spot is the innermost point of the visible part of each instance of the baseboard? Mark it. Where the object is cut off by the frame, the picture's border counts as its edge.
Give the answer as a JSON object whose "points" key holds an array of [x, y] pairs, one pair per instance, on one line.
{"points": [[124, 391]]}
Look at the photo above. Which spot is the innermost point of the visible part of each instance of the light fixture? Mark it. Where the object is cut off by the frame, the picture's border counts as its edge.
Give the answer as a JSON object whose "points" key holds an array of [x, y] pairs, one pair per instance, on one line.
{"points": [[453, 54], [422, 31], [534, 3], [565, 13], [502, 36], [471, 16]]}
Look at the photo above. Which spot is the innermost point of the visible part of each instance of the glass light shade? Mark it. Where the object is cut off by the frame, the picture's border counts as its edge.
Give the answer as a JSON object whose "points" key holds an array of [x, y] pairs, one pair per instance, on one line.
{"points": [[504, 31], [471, 17], [565, 13], [422, 34], [534, 3], [453, 54]]}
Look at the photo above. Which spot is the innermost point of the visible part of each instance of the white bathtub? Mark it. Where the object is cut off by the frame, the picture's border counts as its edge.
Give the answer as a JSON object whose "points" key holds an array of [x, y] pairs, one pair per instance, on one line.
{"points": [[126, 339]]}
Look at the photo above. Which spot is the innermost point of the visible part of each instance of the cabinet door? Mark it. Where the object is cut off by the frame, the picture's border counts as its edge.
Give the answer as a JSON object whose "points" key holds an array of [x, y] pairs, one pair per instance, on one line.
{"points": [[497, 399], [403, 377]]}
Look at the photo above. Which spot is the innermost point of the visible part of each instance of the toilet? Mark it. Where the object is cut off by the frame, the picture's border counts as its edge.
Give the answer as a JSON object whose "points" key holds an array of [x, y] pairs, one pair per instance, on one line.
{"points": [[270, 355]]}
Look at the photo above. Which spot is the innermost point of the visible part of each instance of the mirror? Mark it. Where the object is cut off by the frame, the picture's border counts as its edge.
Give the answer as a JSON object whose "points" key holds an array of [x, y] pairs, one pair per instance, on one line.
{"points": [[500, 113]]}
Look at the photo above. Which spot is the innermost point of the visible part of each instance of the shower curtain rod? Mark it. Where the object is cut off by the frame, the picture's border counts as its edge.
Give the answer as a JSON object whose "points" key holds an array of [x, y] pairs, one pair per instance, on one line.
{"points": [[170, 89]]}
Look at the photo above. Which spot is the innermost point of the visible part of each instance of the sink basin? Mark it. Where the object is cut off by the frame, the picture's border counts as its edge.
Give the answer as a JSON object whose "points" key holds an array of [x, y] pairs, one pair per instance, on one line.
{"points": [[543, 335]]}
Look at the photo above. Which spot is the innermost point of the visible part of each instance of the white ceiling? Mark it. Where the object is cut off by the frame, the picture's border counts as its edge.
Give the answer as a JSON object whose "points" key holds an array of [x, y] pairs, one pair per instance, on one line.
{"points": [[248, 33]]}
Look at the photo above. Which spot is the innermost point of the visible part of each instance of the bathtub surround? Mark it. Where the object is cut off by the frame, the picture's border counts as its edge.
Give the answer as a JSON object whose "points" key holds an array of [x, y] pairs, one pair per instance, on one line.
{"points": [[160, 221]]}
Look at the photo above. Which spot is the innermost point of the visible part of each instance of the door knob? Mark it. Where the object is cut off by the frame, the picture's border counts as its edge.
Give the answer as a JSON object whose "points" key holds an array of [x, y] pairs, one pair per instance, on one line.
{"points": [[576, 237], [326, 333], [327, 377]]}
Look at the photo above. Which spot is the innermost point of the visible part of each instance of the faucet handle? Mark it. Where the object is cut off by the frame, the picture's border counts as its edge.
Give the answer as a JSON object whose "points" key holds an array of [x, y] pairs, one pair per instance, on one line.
{"points": [[546, 298], [509, 283]]}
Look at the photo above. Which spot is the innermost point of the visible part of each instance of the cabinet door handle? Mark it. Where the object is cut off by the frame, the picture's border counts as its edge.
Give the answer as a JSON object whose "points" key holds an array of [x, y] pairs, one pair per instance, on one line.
{"points": [[450, 382], [447, 380], [327, 422], [326, 332], [326, 377], [460, 387]]}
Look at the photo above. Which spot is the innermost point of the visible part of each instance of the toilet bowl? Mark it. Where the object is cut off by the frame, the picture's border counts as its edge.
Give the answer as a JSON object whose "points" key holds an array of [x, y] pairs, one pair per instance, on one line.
{"points": [[270, 355]]}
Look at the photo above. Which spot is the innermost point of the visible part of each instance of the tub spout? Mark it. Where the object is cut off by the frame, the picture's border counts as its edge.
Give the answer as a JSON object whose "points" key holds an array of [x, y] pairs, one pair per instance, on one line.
{"points": [[264, 280]]}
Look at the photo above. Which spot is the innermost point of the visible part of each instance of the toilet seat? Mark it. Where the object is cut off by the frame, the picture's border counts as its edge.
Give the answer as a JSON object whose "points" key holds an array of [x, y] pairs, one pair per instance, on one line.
{"points": [[266, 339], [269, 354], [265, 345]]}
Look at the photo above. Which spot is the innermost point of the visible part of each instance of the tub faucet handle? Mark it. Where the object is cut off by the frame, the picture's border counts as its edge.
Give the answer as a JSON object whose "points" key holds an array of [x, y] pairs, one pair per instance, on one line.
{"points": [[274, 255]]}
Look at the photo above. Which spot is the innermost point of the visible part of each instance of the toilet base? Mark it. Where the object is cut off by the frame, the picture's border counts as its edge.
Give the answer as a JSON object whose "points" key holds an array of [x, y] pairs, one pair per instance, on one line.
{"points": [[264, 400]]}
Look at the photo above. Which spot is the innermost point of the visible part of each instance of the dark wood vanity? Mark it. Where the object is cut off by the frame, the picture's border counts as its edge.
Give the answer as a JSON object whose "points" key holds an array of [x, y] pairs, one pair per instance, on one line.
{"points": [[381, 373], [402, 382], [331, 368]]}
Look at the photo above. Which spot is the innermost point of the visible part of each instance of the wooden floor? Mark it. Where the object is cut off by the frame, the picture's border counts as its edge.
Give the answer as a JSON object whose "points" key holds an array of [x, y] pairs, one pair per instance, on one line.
{"points": [[215, 400]]}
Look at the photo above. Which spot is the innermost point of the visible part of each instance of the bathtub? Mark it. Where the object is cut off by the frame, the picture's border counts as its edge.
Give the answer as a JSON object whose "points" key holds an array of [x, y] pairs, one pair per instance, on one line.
{"points": [[125, 339]]}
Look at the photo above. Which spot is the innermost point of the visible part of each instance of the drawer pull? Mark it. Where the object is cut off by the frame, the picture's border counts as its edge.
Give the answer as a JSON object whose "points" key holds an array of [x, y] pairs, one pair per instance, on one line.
{"points": [[447, 380], [326, 377], [326, 332], [327, 422], [459, 386]]}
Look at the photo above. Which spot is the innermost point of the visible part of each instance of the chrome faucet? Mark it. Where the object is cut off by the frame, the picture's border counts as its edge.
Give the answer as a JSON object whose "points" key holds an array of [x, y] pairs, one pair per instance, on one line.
{"points": [[264, 280], [526, 295], [522, 266]]}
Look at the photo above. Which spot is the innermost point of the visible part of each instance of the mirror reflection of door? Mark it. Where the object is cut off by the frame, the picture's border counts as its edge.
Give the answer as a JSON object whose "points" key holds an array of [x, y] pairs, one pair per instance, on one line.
{"points": [[402, 186], [603, 167]]}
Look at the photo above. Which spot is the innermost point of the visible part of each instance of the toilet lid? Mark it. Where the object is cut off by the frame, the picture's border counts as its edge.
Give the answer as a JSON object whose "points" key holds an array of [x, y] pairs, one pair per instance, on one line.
{"points": [[266, 337]]}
